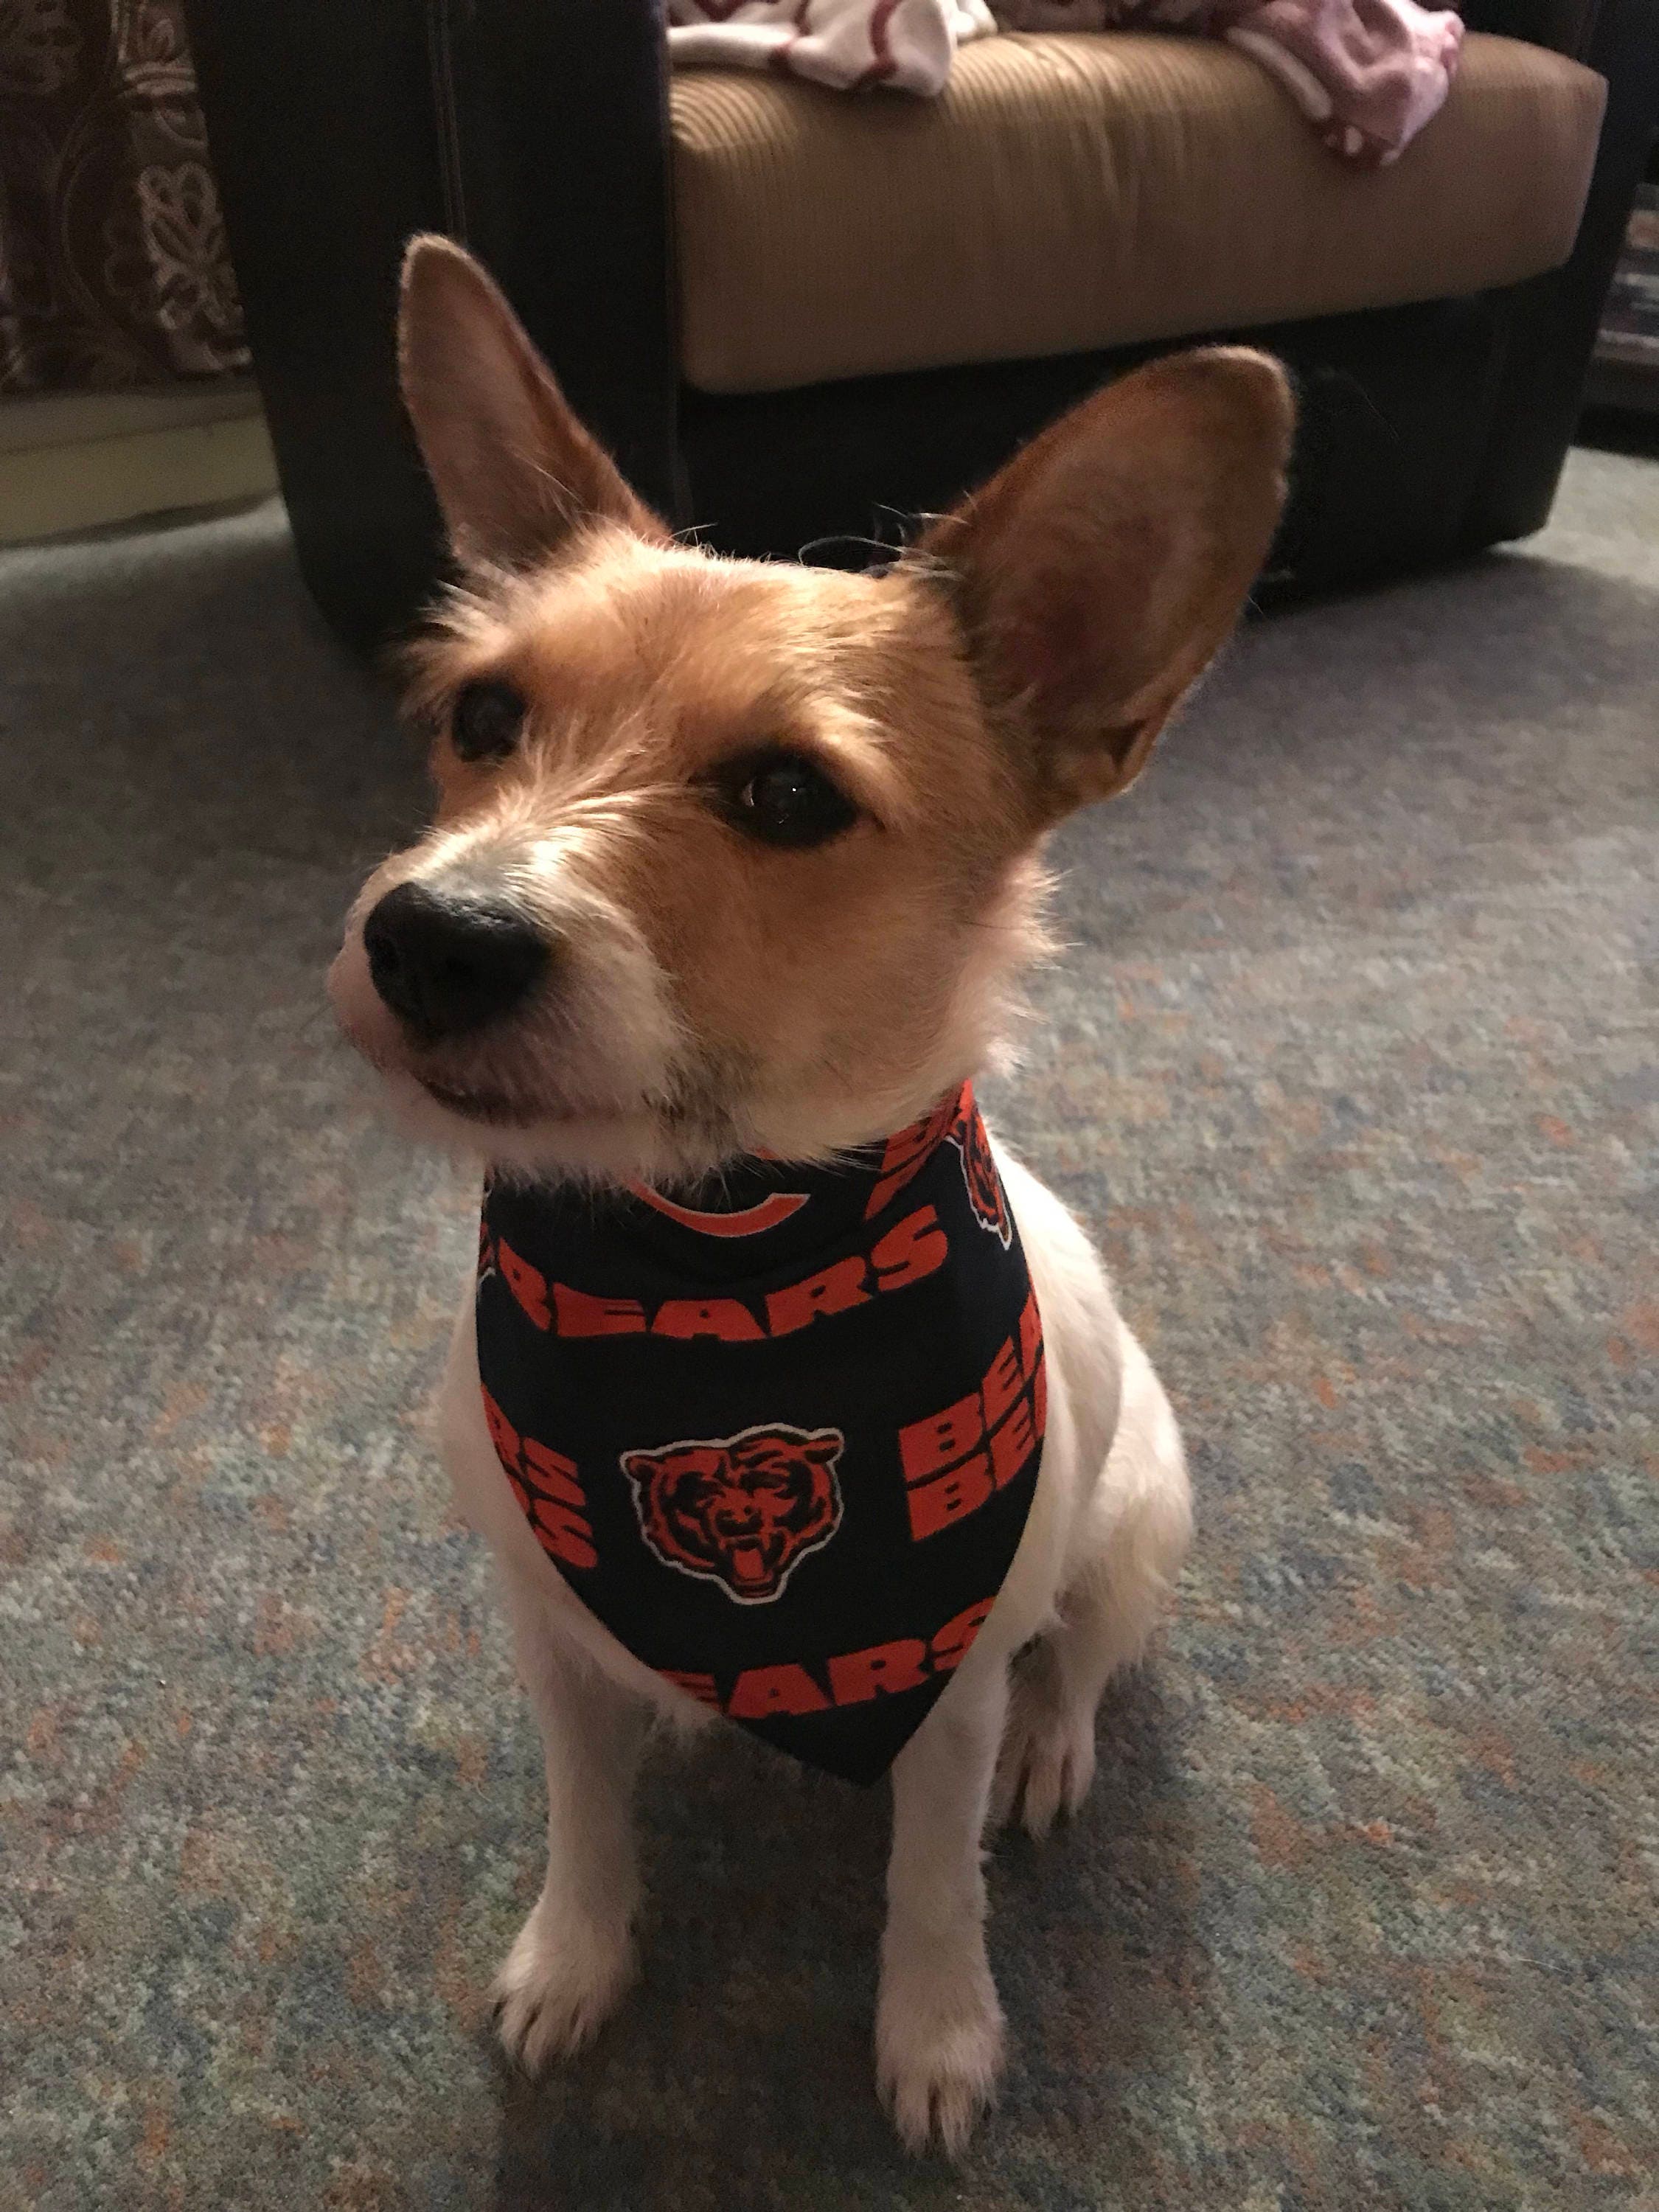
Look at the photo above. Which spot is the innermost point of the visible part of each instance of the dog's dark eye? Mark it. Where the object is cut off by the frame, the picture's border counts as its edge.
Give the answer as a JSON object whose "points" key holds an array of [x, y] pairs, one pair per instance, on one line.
{"points": [[486, 719], [785, 800]]}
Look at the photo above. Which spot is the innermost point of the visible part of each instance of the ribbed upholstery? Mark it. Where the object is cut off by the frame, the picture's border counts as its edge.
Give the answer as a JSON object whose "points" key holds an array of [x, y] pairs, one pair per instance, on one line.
{"points": [[1068, 193]]}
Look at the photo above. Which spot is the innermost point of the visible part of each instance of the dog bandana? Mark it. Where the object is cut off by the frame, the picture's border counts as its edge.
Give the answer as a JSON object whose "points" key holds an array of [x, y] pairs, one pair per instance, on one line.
{"points": [[782, 1439]]}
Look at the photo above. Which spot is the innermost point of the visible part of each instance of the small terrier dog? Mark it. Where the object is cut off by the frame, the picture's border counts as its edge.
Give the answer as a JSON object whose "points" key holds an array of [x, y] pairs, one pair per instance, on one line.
{"points": [[735, 869]]}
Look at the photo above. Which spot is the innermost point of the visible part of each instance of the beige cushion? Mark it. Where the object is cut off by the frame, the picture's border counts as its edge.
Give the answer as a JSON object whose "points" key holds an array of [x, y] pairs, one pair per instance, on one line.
{"points": [[1068, 193]]}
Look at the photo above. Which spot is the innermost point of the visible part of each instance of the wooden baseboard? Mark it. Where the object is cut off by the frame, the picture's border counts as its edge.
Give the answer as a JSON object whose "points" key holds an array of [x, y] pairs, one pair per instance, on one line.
{"points": [[81, 461]]}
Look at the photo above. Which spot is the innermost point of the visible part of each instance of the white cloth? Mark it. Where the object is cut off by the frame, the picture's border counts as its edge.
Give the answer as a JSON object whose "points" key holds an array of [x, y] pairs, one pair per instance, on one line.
{"points": [[849, 44]]}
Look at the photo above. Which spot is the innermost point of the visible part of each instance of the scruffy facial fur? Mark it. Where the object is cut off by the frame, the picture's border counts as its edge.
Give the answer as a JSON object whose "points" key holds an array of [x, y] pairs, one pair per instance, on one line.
{"points": [[708, 995]]}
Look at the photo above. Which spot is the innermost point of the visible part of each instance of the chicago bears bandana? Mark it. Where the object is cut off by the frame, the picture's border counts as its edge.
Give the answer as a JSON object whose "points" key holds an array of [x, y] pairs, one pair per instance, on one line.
{"points": [[779, 1436]]}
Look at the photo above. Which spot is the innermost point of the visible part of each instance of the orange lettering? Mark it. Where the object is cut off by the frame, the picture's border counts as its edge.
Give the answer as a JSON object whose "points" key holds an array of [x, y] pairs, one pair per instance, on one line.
{"points": [[907, 1151], [950, 1645], [927, 1446], [1031, 1335], [700, 1687], [553, 1472], [1003, 1383], [722, 1317], [761, 1691], [527, 1284], [914, 1249], [565, 1534], [935, 1505], [503, 1433], [1013, 1444], [857, 1676], [832, 1292], [1040, 1397], [582, 1316]]}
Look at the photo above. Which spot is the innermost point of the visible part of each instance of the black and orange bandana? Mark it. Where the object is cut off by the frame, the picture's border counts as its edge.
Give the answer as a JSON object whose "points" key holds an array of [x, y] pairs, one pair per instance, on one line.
{"points": [[780, 1438]]}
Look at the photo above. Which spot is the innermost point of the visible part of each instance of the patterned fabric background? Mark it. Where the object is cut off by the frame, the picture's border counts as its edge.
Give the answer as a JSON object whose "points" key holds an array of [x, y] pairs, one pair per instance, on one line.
{"points": [[1351, 1062], [113, 267]]}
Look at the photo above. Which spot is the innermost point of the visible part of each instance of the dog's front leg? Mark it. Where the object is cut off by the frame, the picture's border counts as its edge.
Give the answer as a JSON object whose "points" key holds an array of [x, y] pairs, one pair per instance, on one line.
{"points": [[939, 2025], [575, 1954]]}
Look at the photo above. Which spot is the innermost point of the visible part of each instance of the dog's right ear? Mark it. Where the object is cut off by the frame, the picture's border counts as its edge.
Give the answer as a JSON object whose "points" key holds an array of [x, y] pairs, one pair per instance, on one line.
{"points": [[1099, 571], [514, 472]]}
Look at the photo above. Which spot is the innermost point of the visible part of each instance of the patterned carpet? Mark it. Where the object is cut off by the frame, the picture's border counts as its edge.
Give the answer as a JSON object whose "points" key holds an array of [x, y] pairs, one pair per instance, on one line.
{"points": [[1348, 1062]]}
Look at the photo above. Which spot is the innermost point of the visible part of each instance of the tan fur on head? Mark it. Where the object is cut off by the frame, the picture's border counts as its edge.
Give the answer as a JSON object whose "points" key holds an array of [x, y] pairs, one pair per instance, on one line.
{"points": [[710, 994]]}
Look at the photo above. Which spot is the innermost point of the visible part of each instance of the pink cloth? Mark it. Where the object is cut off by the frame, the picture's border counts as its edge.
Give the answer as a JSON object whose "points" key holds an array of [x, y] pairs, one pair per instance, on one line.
{"points": [[1367, 73]]}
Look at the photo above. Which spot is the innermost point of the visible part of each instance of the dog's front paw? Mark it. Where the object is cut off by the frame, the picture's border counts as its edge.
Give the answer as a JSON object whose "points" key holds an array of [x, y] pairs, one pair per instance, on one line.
{"points": [[558, 1985], [938, 2054], [1047, 1761]]}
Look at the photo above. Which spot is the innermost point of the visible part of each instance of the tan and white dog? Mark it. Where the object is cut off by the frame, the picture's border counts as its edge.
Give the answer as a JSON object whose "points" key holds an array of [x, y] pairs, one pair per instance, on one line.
{"points": [[733, 858]]}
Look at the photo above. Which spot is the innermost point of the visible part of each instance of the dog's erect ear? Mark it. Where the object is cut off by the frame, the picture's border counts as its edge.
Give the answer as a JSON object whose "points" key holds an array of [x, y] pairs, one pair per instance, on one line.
{"points": [[513, 469], [1098, 573]]}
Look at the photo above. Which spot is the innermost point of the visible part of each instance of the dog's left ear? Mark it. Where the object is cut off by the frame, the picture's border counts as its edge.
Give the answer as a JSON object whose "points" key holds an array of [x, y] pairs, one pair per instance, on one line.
{"points": [[1098, 573], [515, 473]]}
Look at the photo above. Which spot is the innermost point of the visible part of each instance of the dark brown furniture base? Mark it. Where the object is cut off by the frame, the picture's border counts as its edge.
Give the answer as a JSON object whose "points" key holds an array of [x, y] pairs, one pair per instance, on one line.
{"points": [[534, 130]]}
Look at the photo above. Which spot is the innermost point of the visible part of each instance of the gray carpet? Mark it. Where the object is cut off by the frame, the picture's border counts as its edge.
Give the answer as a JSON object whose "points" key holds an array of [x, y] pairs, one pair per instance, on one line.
{"points": [[1350, 1064]]}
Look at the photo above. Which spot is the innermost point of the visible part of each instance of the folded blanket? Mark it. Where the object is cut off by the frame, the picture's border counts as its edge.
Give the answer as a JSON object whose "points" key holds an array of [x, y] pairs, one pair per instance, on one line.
{"points": [[1368, 73]]}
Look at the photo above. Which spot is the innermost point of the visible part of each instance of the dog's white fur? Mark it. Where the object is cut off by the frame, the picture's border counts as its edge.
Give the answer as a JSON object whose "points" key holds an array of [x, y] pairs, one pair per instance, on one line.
{"points": [[1104, 1541]]}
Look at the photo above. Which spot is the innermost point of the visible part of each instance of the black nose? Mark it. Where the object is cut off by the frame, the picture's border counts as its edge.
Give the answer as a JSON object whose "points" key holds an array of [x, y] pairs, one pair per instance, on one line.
{"points": [[449, 963]]}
